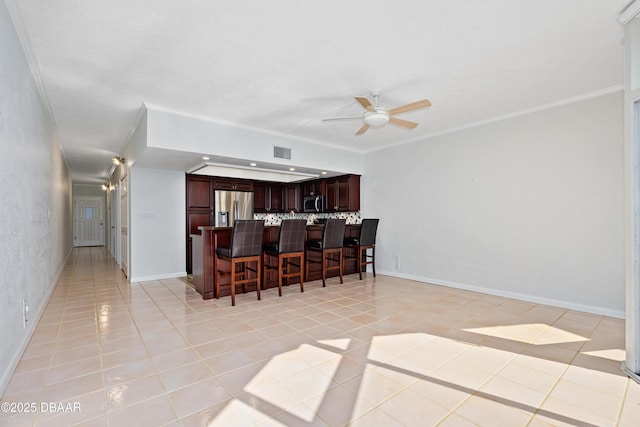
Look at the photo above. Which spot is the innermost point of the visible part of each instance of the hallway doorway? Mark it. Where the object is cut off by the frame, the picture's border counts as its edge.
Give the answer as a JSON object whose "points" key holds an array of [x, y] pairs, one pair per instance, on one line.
{"points": [[88, 221]]}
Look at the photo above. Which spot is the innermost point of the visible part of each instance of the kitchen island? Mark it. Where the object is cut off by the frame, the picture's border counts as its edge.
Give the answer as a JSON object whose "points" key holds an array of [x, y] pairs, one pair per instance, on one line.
{"points": [[204, 248]]}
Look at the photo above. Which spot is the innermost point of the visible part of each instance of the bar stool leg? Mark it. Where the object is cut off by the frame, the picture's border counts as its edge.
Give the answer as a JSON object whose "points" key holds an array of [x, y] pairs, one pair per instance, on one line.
{"points": [[258, 277], [265, 258], [233, 283], [373, 260], [280, 271], [301, 259], [341, 264], [325, 264]]}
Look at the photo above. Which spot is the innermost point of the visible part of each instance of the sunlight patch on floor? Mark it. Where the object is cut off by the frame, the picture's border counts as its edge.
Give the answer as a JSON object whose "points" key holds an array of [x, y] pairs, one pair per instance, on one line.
{"points": [[290, 379], [238, 413], [612, 354], [530, 333]]}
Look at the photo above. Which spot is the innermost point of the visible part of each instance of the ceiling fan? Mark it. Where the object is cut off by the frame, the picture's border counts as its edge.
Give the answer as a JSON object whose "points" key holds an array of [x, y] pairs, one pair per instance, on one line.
{"points": [[377, 117]]}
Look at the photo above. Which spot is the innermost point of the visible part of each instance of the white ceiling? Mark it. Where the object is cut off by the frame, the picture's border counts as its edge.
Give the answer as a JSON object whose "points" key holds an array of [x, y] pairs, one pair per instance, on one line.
{"points": [[284, 65]]}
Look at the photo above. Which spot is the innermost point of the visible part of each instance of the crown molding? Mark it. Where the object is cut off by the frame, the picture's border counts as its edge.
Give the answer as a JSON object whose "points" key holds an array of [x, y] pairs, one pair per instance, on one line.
{"points": [[566, 101], [630, 12]]}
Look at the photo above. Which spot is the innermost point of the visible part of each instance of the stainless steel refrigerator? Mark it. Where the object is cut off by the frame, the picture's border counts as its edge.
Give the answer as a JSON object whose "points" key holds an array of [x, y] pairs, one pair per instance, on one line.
{"points": [[232, 205]]}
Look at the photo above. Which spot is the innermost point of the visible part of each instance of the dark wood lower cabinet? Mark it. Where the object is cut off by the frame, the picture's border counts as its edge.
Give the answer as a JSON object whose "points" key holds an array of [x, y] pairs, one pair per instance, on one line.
{"points": [[204, 247]]}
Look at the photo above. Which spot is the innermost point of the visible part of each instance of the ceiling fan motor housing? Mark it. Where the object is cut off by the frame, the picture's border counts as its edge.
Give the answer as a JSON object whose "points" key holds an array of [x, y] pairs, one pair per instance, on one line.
{"points": [[376, 119]]}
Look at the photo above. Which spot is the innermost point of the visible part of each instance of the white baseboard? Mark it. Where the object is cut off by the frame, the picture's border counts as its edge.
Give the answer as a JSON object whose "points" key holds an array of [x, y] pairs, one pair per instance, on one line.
{"points": [[13, 364], [514, 295], [158, 277]]}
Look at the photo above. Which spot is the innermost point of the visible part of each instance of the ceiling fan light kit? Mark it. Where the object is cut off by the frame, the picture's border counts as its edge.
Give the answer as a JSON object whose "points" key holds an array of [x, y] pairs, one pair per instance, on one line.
{"points": [[378, 117]]}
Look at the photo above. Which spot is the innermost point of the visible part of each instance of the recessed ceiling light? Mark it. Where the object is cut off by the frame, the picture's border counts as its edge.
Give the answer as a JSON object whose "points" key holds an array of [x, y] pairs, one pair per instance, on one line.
{"points": [[253, 164], [323, 173], [292, 169], [205, 158]]}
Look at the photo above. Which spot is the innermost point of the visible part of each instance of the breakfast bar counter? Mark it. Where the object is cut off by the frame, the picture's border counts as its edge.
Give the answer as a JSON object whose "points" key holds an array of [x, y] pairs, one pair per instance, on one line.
{"points": [[204, 248]]}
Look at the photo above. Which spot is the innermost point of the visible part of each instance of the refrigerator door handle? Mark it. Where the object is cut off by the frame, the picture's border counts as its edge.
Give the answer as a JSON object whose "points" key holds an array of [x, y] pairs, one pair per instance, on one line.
{"points": [[235, 210]]}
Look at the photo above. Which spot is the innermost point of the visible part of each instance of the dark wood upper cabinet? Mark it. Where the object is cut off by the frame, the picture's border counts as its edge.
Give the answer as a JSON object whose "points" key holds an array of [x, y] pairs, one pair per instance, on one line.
{"points": [[293, 198], [259, 197], [232, 184], [199, 192], [343, 193], [276, 197], [331, 191], [314, 187], [268, 197]]}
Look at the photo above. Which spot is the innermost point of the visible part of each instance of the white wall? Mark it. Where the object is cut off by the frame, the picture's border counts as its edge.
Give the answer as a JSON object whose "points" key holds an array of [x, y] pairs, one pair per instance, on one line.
{"points": [[35, 201], [170, 130], [157, 224], [529, 207]]}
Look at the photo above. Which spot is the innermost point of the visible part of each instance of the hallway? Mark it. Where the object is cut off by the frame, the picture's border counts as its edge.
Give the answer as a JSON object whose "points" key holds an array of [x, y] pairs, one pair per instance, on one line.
{"points": [[378, 352]]}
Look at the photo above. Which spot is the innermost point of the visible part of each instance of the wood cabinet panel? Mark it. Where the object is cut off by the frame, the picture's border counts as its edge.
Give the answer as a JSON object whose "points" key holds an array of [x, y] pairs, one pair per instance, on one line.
{"points": [[232, 184], [277, 199], [332, 194], [268, 197], [243, 185], [195, 219], [293, 199], [259, 197], [199, 192], [343, 193], [314, 187]]}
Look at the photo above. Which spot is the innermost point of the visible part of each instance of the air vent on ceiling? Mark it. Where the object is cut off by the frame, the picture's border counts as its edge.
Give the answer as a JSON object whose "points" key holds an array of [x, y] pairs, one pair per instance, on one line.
{"points": [[282, 153]]}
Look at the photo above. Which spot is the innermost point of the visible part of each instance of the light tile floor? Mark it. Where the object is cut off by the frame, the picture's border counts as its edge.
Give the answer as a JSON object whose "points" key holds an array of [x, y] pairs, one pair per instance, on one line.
{"points": [[376, 352]]}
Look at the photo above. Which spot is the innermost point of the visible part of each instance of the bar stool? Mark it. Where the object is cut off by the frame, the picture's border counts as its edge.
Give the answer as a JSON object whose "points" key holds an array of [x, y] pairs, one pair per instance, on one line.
{"points": [[367, 240], [331, 244], [288, 250], [246, 247]]}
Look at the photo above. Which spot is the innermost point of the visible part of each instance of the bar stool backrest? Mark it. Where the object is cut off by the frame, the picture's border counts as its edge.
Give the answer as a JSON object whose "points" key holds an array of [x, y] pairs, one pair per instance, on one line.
{"points": [[246, 238], [292, 235], [368, 231], [333, 234]]}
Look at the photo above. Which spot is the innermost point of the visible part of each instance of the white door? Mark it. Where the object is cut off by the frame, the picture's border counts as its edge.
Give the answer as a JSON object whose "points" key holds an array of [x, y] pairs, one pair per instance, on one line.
{"points": [[124, 226], [88, 221]]}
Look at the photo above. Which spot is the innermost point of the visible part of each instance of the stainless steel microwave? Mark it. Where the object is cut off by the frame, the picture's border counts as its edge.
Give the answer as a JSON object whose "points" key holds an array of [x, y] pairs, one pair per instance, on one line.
{"points": [[314, 204]]}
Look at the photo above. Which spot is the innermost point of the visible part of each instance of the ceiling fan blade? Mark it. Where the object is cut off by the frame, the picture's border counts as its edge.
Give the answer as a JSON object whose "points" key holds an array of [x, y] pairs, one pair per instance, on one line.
{"points": [[410, 107], [365, 103], [404, 123], [337, 119], [362, 130]]}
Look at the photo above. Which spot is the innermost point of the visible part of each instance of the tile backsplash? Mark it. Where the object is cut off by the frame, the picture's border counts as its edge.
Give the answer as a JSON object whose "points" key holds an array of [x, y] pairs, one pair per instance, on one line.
{"points": [[276, 218]]}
